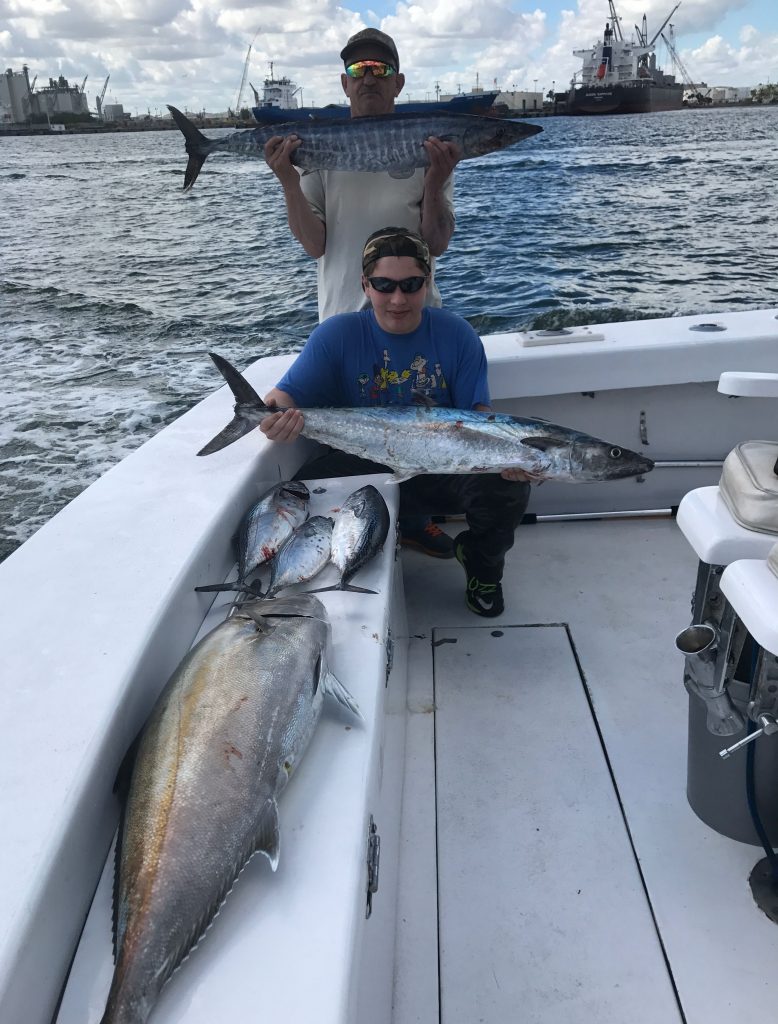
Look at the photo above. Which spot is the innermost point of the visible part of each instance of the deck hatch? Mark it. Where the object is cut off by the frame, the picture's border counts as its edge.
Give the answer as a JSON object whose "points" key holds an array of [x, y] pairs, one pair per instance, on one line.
{"points": [[541, 905]]}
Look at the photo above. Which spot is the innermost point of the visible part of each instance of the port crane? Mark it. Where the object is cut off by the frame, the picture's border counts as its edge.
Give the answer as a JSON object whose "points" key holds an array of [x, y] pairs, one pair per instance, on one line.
{"points": [[99, 99], [84, 82], [694, 91], [244, 76]]}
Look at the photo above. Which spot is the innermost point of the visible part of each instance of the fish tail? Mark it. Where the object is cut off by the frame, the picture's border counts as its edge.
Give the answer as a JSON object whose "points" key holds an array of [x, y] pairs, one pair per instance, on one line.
{"points": [[242, 588], [245, 395], [198, 146], [239, 386], [342, 586]]}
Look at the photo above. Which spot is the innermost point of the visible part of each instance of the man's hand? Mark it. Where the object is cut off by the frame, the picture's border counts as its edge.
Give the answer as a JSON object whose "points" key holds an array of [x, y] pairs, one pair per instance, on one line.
{"points": [[278, 154], [444, 156], [284, 426]]}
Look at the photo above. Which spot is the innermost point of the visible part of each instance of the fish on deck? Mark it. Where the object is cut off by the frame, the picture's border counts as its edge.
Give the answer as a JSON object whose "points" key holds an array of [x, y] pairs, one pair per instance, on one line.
{"points": [[360, 529], [389, 142], [220, 745]]}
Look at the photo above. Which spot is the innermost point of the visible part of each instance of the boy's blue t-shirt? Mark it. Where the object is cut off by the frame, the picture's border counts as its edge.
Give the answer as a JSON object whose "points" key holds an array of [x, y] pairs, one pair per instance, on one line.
{"points": [[349, 360]]}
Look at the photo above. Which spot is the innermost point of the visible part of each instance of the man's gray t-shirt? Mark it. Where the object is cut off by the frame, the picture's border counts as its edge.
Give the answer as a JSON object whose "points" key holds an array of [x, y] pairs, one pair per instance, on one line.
{"points": [[354, 204]]}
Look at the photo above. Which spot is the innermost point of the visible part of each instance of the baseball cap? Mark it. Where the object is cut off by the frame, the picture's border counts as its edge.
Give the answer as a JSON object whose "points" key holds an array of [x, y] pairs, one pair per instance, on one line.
{"points": [[373, 38], [395, 242]]}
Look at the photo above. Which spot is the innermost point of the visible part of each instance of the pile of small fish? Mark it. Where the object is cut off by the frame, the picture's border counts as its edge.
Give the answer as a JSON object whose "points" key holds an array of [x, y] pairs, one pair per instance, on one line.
{"points": [[389, 142], [277, 532], [230, 727]]}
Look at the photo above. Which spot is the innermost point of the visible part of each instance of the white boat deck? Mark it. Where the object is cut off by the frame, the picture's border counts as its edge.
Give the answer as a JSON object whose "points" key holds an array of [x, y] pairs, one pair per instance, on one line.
{"points": [[551, 867]]}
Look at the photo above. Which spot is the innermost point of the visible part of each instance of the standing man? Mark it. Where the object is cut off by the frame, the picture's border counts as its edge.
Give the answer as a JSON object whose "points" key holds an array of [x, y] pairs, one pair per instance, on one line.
{"points": [[330, 212], [383, 355]]}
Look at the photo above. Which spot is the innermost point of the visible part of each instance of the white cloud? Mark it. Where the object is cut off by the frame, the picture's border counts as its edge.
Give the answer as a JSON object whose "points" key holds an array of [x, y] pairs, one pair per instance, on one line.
{"points": [[191, 52]]}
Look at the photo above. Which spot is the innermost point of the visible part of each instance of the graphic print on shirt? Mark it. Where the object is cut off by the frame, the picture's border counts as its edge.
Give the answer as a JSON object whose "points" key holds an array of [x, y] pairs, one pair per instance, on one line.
{"points": [[393, 387]]}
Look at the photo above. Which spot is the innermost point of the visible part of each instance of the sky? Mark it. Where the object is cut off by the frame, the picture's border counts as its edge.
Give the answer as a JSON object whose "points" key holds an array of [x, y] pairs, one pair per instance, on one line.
{"points": [[192, 53]]}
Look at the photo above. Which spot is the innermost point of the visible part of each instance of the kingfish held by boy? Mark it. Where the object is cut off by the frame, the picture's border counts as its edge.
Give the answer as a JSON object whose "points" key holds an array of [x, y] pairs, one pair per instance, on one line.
{"points": [[413, 440], [388, 142], [228, 730]]}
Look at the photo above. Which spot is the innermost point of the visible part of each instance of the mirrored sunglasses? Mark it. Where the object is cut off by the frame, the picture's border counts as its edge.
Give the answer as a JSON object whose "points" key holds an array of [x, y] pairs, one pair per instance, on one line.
{"points": [[387, 285], [377, 68]]}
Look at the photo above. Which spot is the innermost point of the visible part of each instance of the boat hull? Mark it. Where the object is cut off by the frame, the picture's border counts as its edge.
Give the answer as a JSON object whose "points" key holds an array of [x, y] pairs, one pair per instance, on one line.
{"points": [[464, 104], [625, 99]]}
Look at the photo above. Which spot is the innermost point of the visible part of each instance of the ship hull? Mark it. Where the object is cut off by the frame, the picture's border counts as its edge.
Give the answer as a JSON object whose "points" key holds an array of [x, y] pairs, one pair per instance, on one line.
{"points": [[625, 99], [480, 104]]}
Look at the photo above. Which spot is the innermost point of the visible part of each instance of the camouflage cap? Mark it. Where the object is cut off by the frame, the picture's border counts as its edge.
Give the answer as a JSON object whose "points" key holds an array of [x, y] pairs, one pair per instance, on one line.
{"points": [[371, 38], [395, 242]]}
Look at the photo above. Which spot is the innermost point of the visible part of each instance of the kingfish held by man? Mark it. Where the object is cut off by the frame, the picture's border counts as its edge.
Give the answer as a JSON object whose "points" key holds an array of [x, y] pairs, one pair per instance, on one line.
{"points": [[412, 440], [387, 142], [229, 728]]}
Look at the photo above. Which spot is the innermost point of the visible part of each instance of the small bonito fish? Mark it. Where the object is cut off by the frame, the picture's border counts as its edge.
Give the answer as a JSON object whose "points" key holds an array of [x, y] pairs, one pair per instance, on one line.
{"points": [[413, 440], [303, 556], [269, 523], [388, 142], [223, 739], [361, 527]]}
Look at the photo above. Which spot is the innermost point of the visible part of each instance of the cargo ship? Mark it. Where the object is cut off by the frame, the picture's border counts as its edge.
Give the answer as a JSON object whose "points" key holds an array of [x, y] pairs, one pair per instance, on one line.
{"points": [[621, 76], [279, 104]]}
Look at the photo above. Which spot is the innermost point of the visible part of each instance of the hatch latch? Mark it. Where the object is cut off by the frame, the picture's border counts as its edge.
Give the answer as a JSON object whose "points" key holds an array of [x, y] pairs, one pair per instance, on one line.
{"points": [[373, 857]]}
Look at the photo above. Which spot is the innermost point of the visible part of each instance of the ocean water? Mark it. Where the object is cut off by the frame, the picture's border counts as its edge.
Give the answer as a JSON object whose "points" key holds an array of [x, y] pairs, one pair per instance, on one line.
{"points": [[114, 284]]}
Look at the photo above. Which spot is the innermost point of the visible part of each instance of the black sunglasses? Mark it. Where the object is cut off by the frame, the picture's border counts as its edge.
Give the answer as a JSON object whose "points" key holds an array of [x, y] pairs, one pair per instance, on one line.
{"points": [[387, 285]]}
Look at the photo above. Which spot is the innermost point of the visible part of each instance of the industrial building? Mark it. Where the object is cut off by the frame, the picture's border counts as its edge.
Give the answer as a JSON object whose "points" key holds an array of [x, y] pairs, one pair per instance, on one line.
{"points": [[20, 103]]}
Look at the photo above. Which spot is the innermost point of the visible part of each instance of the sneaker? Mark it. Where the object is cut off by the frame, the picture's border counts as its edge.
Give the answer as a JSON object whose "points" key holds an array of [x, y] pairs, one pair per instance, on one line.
{"points": [[426, 536], [484, 589]]}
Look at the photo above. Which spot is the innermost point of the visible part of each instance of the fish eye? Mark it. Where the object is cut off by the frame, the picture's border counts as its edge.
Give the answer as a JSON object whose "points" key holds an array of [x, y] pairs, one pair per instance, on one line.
{"points": [[615, 453]]}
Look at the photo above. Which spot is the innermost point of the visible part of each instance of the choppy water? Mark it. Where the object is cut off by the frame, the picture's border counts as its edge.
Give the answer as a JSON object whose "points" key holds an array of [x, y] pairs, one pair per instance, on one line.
{"points": [[113, 284]]}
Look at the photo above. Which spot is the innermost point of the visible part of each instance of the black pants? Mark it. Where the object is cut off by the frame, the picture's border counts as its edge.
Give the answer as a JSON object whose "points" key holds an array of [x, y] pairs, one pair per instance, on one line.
{"points": [[492, 506]]}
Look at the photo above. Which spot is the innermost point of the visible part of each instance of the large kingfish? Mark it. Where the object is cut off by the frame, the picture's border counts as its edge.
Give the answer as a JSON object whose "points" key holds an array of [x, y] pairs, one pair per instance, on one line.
{"points": [[389, 142], [412, 440], [225, 735]]}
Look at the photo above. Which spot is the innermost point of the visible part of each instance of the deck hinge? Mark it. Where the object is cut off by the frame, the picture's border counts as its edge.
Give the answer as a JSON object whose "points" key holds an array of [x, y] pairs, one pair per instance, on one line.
{"points": [[373, 857], [389, 654]]}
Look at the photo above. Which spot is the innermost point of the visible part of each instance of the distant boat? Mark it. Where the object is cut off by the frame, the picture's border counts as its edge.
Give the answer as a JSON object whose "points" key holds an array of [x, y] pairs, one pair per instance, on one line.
{"points": [[621, 76], [279, 104]]}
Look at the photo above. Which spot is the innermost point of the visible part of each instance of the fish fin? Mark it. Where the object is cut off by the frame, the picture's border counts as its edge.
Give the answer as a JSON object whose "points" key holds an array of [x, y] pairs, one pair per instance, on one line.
{"points": [[238, 427], [402, 171], [197, 146], [268, 834], [245, 395], [239, 386], [255, 588], [544, 443], [332, 685], [409, 474], [121, 788]]}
